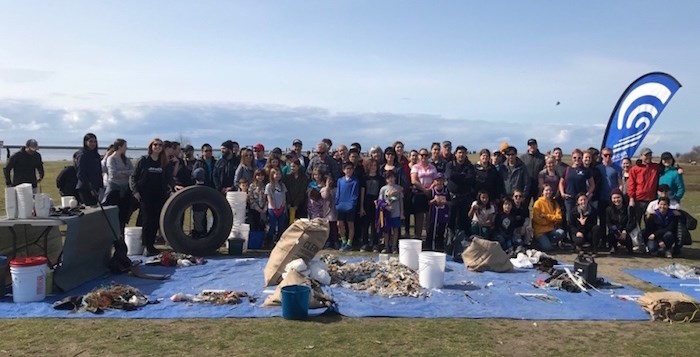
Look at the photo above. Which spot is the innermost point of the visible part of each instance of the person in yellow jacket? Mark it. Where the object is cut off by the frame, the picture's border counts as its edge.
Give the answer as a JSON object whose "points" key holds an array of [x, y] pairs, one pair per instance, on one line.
{"points": [[547, 220]]}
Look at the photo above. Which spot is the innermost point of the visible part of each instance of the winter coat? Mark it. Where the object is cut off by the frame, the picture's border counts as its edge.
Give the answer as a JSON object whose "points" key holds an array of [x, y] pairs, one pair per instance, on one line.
{"points": [[674, 180], [24, 167]]}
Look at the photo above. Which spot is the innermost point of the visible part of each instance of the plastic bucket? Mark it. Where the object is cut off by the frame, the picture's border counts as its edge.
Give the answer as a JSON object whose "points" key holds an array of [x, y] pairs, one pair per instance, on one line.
{"points": [[28, 279], [4, 273], [295, 302], [408, 252], [255, 239], [431, 271], [132, 238], [235, 246]]}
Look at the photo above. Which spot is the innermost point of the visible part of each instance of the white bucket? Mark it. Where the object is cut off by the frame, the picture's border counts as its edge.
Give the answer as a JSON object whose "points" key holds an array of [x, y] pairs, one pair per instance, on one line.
{"points": [[11, 202], [244, 232], [132, 238], [28, 279], [408, 252], [431, 271], [42, 205]]}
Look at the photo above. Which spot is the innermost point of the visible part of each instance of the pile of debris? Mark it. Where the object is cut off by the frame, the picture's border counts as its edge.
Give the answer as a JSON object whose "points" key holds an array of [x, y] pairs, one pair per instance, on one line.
{"points": [[217, 297], [387, 279]]}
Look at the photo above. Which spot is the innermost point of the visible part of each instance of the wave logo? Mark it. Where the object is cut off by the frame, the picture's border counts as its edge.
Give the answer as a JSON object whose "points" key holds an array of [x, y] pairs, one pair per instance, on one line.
{"points": [[636, 111]]}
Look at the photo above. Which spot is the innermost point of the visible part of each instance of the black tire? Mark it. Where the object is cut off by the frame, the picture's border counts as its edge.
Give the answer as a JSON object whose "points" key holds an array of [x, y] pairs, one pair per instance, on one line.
{"points": [[174, 209]]}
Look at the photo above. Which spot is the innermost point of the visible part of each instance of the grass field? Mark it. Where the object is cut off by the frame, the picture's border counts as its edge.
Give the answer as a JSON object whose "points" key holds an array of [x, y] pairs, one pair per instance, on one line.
{"points": [[337, 335]]}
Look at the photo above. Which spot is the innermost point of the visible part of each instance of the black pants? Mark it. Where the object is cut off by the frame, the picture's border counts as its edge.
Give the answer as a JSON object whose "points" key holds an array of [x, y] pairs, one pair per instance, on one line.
{"points": [[150, 218], [459, 207], [436, 237], [123, 202], [369, 228], [614, 238], [87, 197], [593, 237]]}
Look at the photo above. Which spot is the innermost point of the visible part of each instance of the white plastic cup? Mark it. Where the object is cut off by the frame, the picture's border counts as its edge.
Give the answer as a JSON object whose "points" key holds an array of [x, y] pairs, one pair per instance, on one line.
{"points": [[431, 271], [408, 252]]}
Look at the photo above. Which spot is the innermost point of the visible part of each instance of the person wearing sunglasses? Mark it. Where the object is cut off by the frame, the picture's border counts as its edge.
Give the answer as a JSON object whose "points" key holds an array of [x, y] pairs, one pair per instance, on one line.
{"points": [[611, 178], [207, 162], [151, 184]]}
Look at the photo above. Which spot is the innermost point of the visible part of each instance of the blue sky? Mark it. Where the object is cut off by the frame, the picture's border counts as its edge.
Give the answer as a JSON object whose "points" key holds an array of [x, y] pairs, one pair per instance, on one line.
{"points": [[475, 72]]}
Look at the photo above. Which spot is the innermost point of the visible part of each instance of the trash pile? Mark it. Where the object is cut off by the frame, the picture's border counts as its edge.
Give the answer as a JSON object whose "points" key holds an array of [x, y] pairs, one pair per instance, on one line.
{"points": [[172, 259], [680, 271], [115, 296], [387, 279], [217, 297]]}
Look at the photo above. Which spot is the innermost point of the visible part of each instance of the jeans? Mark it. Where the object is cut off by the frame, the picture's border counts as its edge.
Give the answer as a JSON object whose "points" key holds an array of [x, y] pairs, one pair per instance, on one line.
{"points": [[667, 237], [277, 225], [546, 240]]}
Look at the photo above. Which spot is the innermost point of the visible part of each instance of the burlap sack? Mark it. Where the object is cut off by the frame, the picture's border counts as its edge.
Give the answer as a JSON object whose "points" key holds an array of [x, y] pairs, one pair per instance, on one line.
{"points": [[670, 306], [303, 239], [483, 255]]}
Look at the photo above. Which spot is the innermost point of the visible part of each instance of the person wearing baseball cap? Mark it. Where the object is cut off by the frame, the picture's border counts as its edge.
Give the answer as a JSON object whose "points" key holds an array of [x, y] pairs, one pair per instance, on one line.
{"points": [[642, 185], [534, 163], [672, 177], [259, 156], [298, 154], [25, 164]]}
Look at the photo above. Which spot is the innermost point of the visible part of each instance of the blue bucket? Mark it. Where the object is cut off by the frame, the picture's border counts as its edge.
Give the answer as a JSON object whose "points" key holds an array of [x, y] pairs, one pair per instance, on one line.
{"points": [[255, 239], [4, 273], [295, 302]]}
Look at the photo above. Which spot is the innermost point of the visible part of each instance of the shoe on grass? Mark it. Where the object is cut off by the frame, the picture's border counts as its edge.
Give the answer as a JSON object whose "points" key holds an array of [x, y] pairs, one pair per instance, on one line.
{"points": [[364, 248], [668, 254]]}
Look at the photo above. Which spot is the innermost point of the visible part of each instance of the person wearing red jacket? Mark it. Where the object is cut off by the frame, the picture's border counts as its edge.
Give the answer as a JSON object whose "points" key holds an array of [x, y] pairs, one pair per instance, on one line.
{"points": [[641, 185]]}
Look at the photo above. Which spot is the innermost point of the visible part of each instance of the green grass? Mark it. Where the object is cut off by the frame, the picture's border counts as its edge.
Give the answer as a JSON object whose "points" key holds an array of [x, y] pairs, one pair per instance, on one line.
{"points": [[337, 335]]}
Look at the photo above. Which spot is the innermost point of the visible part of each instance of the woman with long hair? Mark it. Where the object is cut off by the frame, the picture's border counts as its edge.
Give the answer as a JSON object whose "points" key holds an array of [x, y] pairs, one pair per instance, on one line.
{"points": [[151, 184], [89, 171], [118, 193], [547, 220]]}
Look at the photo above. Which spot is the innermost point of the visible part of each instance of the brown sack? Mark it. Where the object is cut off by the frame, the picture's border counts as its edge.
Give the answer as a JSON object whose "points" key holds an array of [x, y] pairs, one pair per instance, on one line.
{"points": [[670, 306], [303, 239], [483, 255]]}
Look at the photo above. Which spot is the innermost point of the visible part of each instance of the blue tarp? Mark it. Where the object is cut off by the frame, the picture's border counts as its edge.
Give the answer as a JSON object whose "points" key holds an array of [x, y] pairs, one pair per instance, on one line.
{"points": [[499, 300], [493, 295], [666, 282]]}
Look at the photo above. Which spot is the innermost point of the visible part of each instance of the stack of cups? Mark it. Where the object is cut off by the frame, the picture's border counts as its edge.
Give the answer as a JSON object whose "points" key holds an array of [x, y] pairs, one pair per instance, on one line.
{"points": [[42, 205], [132, 238], [25, 200], [237, 201], [11, 202]]}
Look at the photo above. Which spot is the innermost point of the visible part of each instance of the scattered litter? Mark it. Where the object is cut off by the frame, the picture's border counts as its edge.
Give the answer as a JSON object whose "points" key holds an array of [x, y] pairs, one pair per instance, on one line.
{"points": [[541, 297], [171, 259], [217, 297], [680, 271]]}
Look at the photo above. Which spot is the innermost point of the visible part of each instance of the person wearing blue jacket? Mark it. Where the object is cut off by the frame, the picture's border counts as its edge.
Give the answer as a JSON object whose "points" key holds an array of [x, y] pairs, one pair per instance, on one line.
{"points": [[89, 171], [671, 177], [346, 205]]}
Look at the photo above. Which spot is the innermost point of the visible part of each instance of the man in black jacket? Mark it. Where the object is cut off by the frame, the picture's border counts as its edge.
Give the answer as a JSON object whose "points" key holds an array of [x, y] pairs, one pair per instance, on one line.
{"points": [[67, 179], [534, 162], [24, 164], [225, 169], [460, 175]]}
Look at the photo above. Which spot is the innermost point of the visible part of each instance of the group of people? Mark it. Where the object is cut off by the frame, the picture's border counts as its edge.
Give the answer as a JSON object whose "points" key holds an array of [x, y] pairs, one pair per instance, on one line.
{"points": [[369, 199]]}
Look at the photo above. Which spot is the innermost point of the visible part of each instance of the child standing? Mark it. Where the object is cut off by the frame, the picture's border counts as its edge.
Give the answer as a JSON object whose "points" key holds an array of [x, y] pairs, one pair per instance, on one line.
{"points": [[276, 193], [257, 202], [346, 205], [391, 200], [439, 214], [482, 214]]}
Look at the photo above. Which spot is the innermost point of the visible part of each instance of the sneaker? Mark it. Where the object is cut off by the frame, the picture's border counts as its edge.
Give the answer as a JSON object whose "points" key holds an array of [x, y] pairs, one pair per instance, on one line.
{"points": [[364, 248], [375, 249], [345, 247], [668, 254], [613, 250], [385, 251], [395, 251], [152, 251]]}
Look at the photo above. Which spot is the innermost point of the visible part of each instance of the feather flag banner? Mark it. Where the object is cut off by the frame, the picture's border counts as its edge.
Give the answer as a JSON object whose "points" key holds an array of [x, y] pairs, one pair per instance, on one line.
{"points": [[636, 111]]}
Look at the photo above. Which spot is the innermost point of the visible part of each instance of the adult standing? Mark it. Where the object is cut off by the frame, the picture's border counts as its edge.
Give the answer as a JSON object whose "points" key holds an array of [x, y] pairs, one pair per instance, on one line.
{"points": [[118, 193], [533, 160], [576, 180], [245, 170], [641, 187], [559, 165], [436, 159], [67, 179], [446, 152], [207, 162], [671, 177], [514, 175], [611, 179], [23, 166], [422, 175], [151, 184], [486, 176], [260, 161], [225, 169], [89, 171], [324, 162], [460, 175], [299, 155]]}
